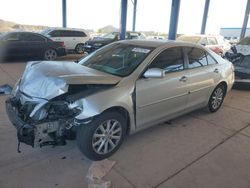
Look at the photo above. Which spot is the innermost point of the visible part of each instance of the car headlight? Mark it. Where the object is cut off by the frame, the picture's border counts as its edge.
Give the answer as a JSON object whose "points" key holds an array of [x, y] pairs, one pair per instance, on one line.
{"points": [[16, 87]]}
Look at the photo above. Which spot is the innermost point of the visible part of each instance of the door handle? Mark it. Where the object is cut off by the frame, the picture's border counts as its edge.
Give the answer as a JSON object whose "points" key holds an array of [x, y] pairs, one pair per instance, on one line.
{"points": [[183, 79], [216, 70]]}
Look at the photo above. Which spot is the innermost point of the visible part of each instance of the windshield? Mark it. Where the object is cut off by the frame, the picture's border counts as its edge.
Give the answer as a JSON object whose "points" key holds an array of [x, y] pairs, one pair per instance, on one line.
{"points": [[110, 35], [193, 39], [117, 59]]}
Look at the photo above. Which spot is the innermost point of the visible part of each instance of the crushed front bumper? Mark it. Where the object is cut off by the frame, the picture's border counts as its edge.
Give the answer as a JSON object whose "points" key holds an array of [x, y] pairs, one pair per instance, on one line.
{"points": [[25, 132]]}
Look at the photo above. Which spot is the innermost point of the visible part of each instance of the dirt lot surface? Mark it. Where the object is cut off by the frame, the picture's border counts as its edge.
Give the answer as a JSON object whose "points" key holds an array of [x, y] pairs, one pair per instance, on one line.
{"points": [[198, 150]]}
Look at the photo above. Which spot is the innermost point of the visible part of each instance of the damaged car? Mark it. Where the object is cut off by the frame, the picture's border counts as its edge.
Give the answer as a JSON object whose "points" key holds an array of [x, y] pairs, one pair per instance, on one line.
{"points": [[116, 91], [239, 55]]}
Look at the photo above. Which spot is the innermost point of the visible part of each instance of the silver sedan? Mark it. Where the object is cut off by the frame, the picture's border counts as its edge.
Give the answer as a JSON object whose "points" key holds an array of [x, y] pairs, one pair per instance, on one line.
{"points": [[118, 90]]}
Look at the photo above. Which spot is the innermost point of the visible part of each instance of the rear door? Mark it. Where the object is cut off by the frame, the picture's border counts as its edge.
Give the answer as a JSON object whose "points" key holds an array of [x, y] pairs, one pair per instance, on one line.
{"points": [[35, 44], [204, 74], [159, 98]]}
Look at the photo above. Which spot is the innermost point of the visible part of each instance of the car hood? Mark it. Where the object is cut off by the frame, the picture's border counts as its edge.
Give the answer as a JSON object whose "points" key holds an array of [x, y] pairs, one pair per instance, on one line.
{"points": [[49, 79]]}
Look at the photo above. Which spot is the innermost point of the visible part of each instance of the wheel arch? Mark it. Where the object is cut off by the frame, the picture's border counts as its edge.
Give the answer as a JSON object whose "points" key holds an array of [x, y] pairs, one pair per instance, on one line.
{"points": [[121, 110], [224, 83]]}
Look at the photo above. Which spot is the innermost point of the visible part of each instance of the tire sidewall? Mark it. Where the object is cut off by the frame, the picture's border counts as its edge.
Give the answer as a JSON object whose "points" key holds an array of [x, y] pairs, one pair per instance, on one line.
{"points": [[44, 54], [85, 135], [210, 107]]}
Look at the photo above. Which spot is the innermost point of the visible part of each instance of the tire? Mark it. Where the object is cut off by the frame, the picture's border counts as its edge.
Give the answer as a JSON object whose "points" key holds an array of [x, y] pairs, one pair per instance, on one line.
{"points": [[79, 49], [50, 54], [103, 136], [216, 99]]}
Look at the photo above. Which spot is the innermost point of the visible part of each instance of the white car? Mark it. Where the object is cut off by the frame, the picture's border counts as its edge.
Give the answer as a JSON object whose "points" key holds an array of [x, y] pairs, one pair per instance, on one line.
{"points": [[73, 39]]}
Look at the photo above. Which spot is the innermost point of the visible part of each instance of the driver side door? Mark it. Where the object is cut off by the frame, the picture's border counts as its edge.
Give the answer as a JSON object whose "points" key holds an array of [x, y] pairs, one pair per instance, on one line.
{"points": [[158, 99]]}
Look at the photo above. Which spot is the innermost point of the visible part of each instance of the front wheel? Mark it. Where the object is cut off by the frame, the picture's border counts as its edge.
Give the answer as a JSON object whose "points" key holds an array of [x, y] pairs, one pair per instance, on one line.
{"points": [[50, 54], [103, 136], [217, 97]]}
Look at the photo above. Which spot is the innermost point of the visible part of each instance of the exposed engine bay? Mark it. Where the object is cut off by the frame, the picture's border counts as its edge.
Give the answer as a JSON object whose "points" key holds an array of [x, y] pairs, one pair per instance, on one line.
{"points": [[43, 110], [48, 122]]}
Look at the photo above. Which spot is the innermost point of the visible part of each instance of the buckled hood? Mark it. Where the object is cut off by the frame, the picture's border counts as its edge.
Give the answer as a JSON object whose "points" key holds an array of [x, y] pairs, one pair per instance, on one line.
{"points": [[49, 79]]}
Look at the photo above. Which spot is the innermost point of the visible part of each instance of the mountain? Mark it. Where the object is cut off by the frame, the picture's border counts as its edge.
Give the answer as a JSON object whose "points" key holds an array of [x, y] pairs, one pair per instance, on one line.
{"points": [[6, 26], [107, 29]]}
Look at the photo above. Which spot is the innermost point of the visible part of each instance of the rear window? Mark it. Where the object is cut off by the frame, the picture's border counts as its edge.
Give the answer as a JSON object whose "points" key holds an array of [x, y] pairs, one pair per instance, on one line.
{"points": [[67, 33], [212, 41], [32, 37], [197, 57]]}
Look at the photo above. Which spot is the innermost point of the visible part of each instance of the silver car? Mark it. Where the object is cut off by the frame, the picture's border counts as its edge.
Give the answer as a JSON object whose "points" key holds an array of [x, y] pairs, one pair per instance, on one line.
{"points": [[118, 90]]}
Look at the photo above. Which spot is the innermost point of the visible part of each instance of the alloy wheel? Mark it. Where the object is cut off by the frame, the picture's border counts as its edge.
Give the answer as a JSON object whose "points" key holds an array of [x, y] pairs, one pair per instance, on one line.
{"points": [[217, 98], [107, 136], [50, 54]]}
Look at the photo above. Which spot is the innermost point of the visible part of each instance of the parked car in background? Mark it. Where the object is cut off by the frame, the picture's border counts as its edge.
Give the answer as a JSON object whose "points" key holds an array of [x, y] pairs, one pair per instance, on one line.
{"points": [[106, 95], [239, 55], [242, 70], [73, 39], [215, 43], [94, 44], [29, 44]]}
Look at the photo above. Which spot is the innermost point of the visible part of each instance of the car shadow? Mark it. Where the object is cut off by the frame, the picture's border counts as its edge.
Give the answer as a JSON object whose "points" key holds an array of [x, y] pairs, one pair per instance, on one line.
{"points": [[20, 59], [242, 86]]}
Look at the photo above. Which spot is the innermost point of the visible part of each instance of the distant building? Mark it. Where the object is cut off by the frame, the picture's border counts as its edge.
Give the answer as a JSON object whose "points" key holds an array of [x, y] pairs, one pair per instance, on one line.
{"points": [[232, 32]]}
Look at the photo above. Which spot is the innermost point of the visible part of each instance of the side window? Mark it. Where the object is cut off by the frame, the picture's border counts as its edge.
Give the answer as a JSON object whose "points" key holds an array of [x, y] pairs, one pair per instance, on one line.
{"points": [[55, 33], [12, 37], [211, 60], [170, 60], [212, 41], [79, 34], [65, 33], [32, 37], [196, 57]]}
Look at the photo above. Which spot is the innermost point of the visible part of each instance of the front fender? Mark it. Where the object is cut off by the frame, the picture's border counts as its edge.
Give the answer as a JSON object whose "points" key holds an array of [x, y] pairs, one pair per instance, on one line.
{"points": [[115, 97]]}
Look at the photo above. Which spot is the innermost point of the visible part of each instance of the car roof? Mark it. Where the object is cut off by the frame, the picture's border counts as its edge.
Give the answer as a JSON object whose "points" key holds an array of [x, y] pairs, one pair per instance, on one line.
{"points": [[64, 28], [158, 43], [200, 35], [27, 32]]}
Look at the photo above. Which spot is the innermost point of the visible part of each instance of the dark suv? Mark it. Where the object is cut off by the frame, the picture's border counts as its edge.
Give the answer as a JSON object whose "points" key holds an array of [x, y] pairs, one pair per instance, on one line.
{"points": [[92, 45]]}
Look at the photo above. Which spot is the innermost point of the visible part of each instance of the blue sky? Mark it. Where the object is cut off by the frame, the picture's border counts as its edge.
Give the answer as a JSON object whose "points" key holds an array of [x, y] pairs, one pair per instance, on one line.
{"points": [[151, 14]]}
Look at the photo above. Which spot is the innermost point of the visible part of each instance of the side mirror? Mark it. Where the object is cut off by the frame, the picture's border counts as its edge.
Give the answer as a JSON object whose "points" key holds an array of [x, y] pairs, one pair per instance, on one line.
{"points": [[154, 73]]}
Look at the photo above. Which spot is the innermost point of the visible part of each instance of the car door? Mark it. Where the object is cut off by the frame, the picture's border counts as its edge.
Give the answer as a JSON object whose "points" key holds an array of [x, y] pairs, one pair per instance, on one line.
{"points": [[34, 44], [203, 76], [160, 98], [12, 45]]}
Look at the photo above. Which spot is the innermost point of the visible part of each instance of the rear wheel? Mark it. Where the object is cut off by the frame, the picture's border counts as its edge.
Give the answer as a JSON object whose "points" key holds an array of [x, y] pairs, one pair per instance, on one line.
{"points": [[217, 97], [79, 49], [103, 136], [50, 54]]}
